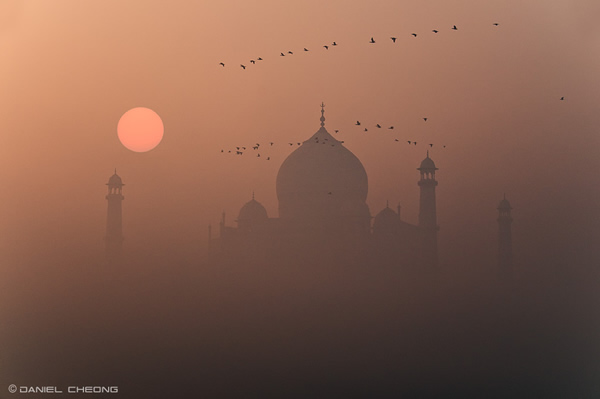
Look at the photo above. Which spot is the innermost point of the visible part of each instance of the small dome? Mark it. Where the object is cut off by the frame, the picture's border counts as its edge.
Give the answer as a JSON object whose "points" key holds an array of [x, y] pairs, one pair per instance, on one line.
{"points": [[386, 220], [504, 204], [427, 164], [115, 180], [252, 211]]}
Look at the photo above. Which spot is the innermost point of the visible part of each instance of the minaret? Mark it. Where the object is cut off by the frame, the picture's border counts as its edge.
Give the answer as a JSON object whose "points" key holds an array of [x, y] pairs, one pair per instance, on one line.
{"points": [[427, 211], [505, 267], [114, 226]]}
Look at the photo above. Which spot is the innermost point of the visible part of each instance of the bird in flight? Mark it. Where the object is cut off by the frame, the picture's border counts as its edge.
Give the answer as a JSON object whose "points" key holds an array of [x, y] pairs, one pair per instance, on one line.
{"points": [[372, 40], [496, 24], [283, 55], [268, 158], [414, 34], [366, 130], [258, 155], [425, 119], [260, 59], [334, 44], [326, 47], [430, 145], [393, 39], [414, 142], [391, 127], [396, 140], [337, 131], [272, 143], [305, 49], [378, 125], [357, 123], [222, 64], [252, 61], [454, 27], [409, 142], [562, 98], [435, 31], [289, 52], [243, 66]]}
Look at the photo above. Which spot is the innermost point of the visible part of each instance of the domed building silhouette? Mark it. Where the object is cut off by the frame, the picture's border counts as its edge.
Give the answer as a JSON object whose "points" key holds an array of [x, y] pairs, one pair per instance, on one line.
{"points": [[322, 190]]}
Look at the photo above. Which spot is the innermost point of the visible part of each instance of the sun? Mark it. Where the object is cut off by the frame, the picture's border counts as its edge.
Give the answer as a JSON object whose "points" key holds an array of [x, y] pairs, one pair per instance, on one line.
{"points": [[140, 129]]}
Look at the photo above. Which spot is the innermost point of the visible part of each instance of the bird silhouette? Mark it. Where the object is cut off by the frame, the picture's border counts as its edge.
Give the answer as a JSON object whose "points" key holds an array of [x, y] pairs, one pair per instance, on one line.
{"points": [[305, 49], [378, 126], [444, 146], [425, 119], [391, 127], [260, 59], [415, 143], [258, 155], [357, 123], [372, 40], [255, 148], [237, 148], [243, 148], [326, 47], [562, 98], [396, 140], [291, 143], [334, 44], [435, 31], [272, 143], [252, 61], [337, 131], [414, 34], [454, 27], [409, 142], [393, 39], [298, 143], [366, 130], [238, 153], [289, 52], [222, 64], [243, 66], [430, 145], [496, 24], [268, 158], [283, 55], [221, 150]]}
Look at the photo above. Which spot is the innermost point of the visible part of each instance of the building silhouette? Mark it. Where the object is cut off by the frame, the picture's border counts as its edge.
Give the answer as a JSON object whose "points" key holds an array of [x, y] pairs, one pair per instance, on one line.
{"points": [[322, 190], [114, 223], [505, 255]]}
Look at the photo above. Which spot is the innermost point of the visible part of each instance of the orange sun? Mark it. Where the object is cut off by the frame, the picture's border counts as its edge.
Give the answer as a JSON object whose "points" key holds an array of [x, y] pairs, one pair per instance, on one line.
{"points": [[140, 129]]}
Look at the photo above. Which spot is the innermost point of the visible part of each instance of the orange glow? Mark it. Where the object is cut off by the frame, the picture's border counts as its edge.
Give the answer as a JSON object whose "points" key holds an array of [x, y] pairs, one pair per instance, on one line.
{"points": [[140, 129]]}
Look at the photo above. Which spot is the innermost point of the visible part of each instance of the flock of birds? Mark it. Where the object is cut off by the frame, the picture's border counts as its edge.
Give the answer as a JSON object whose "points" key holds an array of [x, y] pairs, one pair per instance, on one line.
{"points": [[327, 46], [240, 150]]}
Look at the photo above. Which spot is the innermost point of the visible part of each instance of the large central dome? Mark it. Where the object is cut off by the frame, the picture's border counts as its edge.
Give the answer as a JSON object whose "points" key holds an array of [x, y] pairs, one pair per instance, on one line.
{"points": [[319, 177]]}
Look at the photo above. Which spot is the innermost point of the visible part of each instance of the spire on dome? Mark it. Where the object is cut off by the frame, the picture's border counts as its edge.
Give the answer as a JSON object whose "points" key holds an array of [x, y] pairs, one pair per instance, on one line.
{"points": [[252, 194], [322, 114]]}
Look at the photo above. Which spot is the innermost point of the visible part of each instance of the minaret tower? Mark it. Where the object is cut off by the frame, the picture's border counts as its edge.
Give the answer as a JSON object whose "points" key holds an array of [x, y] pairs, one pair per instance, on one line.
{"points": [[427, 211], [114, 226], [505, 267]]}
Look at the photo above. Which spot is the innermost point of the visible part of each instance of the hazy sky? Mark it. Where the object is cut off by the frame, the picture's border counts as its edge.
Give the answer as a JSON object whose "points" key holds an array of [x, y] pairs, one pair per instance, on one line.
{"points": [[491, 94]]}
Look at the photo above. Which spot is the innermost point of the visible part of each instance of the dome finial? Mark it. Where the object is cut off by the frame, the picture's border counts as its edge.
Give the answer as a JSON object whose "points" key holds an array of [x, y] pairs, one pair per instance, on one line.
{"points": [[322, 114], [427, 153], [252, 194], [115, 171], [387, 203]]}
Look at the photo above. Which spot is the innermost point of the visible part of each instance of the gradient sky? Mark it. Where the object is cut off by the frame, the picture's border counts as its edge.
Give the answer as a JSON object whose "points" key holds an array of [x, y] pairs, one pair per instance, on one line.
{"points": [[70, 69]]}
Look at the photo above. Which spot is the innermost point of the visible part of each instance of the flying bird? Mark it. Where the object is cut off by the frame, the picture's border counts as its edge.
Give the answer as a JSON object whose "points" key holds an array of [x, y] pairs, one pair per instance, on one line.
{"points": [[391, 127], [425, 119], [372, 40], [378, 125], [268, 158], [326, 47], [357, 123], [454, 27], [496, 24], [334, 44], [252, 61], [305, 49], [430, 145], [283, 55], [260, 59], [337, 131], [289, 52], [415, 143], [414, 34], [435, 31], [562, 98], [243, 66], [393, 39], [272, 143], [409, 142], [366, 130], [221, 150], [258, 155], [222, 64], [396, 140]]}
